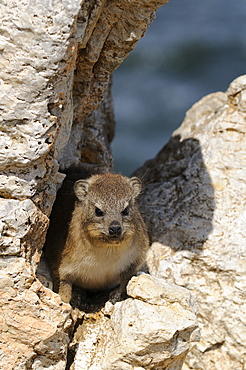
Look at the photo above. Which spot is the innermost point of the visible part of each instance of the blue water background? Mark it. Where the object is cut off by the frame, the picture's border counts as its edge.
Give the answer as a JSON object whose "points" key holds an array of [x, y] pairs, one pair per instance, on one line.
{"points": [[192, 48]]}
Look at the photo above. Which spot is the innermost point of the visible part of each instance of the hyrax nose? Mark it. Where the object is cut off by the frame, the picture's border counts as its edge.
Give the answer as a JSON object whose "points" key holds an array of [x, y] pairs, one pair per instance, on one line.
{"points": [[114, 228]]}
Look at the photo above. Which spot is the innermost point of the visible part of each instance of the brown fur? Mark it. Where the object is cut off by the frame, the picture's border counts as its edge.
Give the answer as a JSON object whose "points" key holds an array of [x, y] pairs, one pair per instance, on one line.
{"points": [[107, 240]]}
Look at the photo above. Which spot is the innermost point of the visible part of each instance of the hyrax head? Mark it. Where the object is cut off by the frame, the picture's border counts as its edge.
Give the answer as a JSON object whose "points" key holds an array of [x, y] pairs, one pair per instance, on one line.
{"points": [[108, 207]]}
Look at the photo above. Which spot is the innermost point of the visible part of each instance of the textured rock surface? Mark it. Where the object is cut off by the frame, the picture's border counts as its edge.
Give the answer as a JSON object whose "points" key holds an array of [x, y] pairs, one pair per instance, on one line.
{"points": [[56, 61], [55, 64], [34, 322], [152, 330], [195, 207]]}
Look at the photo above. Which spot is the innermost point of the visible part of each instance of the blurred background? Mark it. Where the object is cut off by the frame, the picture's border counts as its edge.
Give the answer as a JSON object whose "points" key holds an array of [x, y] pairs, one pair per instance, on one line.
{"points": [[191, 49]]}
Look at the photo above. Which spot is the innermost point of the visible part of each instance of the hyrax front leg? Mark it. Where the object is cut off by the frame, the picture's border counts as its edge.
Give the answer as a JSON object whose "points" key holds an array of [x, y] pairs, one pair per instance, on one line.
{"points": [[125, 276], [65, 291]]}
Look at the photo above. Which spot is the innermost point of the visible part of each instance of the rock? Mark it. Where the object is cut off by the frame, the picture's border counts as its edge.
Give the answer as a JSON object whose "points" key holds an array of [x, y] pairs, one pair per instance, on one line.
{"points": [[55, 65], [34, 321], [194, 204], [154, 329], [22, 227], [56, 62], [89, 140]]}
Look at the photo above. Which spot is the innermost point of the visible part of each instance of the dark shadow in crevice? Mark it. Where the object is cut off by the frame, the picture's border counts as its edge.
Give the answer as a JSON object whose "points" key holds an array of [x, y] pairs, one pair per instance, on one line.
{"points": [[177, 202], [90, 301]]}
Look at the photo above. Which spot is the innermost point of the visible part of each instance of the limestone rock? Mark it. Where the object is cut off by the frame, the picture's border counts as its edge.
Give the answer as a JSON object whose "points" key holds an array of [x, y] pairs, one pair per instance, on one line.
{"points": [[195, 208], [55, 65], [22, 227], [34, 321], [152, 330], [56, 61]]}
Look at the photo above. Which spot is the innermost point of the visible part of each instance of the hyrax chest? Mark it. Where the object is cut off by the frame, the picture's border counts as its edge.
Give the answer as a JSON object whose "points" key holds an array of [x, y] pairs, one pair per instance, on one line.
{"points": [[98, 267]]}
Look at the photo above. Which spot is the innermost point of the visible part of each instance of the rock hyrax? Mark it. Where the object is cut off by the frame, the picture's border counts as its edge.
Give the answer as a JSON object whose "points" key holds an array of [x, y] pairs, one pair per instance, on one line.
{"points": [[106, 241]]}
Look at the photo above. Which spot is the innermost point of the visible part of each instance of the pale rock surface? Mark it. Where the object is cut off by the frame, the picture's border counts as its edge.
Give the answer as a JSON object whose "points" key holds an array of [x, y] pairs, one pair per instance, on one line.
{"points": [[196, 211], [56, 58], [154, 329], [34, 322]]}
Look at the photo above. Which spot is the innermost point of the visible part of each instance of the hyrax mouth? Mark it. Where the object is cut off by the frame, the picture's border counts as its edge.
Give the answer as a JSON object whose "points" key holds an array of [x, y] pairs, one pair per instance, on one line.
{"points": [[113, 238]]}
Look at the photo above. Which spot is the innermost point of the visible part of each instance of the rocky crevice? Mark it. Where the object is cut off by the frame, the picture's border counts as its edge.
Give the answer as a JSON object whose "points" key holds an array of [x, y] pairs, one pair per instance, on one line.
{"points": [[56, 61]]}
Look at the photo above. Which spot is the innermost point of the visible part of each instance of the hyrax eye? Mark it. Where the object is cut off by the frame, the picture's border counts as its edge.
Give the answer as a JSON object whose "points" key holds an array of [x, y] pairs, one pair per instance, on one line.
{"points": [[98, 212], [125, 212]]}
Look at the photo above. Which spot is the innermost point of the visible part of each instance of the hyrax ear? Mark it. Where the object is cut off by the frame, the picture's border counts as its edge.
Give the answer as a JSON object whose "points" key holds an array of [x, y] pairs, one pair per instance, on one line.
{"points": [[81, 189], [136, 185]]}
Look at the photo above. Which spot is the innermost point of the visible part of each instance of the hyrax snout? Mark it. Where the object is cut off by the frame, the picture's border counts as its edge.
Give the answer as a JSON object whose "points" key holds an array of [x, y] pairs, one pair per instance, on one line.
{"points": [[107, 239]]}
